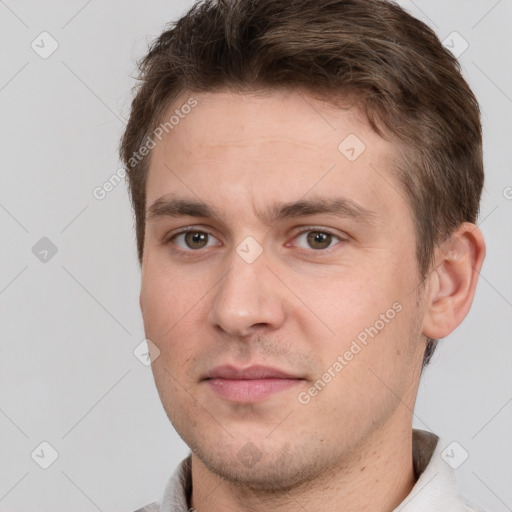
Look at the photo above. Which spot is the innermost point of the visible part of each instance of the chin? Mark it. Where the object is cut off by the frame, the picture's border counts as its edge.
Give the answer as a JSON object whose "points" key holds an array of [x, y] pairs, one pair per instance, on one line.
{"points": [[273, 470]]}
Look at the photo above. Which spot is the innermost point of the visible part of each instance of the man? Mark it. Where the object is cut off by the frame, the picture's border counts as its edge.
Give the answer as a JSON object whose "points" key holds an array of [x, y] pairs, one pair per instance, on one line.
{"points": [[306, 179]]}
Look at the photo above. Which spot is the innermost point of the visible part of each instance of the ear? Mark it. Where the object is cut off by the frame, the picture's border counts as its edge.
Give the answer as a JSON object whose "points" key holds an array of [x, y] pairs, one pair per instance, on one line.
{"points": [[452, 282]]}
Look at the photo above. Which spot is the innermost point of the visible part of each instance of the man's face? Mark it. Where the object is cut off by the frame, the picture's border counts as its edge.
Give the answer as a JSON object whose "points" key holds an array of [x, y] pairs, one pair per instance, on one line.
{"points": [[324, 291]]}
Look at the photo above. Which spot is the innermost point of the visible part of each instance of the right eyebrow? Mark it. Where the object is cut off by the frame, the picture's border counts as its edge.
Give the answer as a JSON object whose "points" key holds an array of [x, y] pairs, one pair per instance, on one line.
{"points": [[164, 207]]}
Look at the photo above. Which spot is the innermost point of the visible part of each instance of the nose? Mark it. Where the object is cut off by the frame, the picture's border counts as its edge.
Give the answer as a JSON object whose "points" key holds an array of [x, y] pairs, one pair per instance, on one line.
{"points": [[247, 299]]}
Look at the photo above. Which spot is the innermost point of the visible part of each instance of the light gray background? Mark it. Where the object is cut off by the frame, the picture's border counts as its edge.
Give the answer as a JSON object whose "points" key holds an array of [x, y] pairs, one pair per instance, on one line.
{"points": [[67, 372]]}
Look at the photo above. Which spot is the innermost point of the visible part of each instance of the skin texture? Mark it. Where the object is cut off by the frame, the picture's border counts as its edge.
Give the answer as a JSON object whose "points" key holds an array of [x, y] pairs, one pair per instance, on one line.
{"points": [[297, 307]]}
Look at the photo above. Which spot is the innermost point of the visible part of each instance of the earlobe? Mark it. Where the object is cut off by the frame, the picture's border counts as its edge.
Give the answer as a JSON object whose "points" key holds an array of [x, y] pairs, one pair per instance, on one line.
{"points": [[453, 280]]}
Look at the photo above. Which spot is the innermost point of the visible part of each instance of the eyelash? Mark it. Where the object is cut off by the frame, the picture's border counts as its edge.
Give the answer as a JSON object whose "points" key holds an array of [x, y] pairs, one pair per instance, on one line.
{"points": [[168, 240]]}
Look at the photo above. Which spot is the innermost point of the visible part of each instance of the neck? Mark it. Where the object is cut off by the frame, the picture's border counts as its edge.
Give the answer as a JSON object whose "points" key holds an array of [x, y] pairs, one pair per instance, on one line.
{"points": [[377, 476]]}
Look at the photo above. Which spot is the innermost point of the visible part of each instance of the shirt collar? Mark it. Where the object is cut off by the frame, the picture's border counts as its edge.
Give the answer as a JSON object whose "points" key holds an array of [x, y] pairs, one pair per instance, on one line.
{"points": [[436, 486]]}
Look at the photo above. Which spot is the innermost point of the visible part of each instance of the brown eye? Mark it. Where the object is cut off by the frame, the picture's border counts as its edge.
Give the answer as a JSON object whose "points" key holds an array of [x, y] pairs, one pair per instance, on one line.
{"points": [[316, 239], [319, 240], [192, 239], [196, 239]]}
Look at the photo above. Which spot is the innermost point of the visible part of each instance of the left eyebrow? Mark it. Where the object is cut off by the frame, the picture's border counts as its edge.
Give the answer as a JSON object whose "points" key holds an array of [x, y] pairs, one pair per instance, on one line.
{"points": [[340, 207]]}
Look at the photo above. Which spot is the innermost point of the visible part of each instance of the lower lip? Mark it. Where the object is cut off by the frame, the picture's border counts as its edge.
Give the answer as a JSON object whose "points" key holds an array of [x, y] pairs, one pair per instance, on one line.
{"points": [[247, 390]]}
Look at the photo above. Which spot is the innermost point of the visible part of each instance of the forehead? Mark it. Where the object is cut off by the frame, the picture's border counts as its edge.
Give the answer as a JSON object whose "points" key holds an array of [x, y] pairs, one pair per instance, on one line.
{"points": [[279, 145]]}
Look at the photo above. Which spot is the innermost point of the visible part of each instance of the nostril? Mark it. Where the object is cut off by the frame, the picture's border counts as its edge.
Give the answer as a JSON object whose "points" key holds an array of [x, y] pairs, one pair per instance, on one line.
{"points": [[259, 325]]}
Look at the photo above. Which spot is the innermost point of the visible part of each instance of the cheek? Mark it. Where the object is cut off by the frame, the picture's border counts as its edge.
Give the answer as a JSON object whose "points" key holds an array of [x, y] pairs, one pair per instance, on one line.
{"points": [[343, 305], [391, 356], [372, 318], [168, 307], [166, 295], [374, 364]]}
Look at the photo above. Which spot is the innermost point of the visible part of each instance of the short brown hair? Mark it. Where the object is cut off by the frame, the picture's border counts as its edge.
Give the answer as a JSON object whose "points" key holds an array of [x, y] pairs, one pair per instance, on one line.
{"points": [[406, 83]]}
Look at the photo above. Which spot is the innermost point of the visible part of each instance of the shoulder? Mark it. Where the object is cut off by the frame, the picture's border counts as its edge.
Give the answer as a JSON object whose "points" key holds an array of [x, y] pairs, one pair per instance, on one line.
{"points": [[177, 491], [152, 507], [470, 507]]}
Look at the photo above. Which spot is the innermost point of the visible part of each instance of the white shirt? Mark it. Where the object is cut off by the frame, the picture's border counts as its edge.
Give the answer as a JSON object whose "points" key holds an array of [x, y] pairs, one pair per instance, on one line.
{"points": [[435, 489]]}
